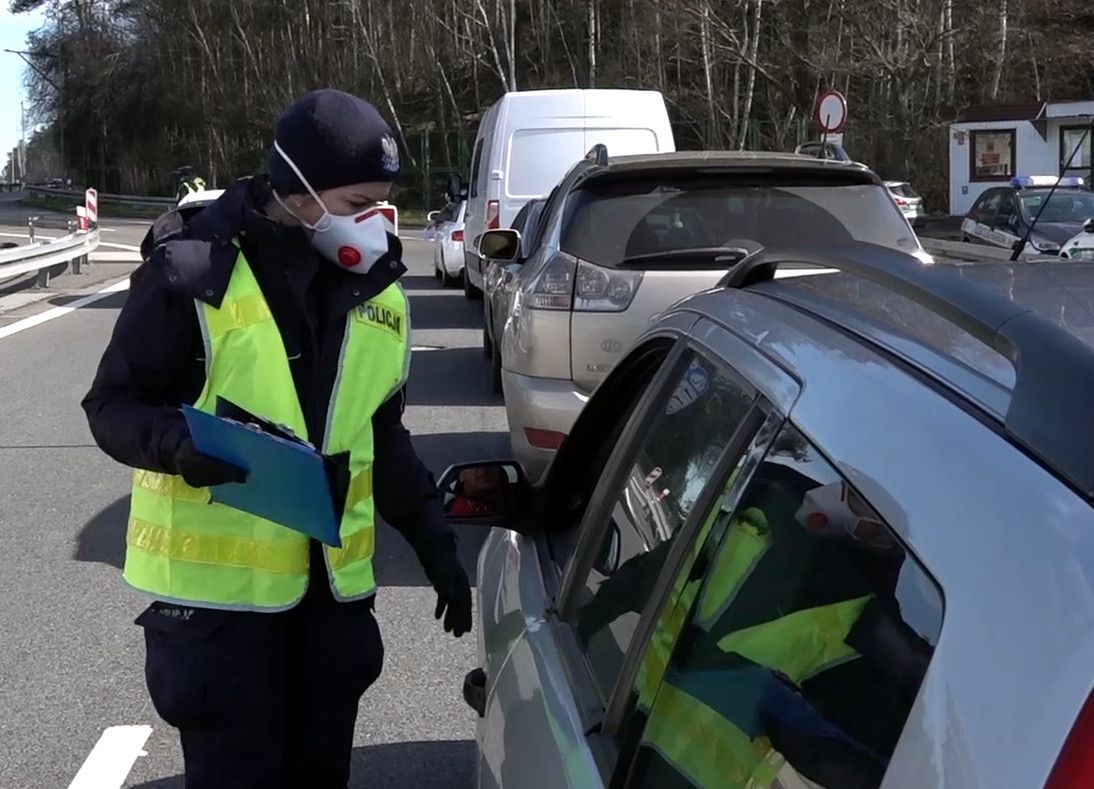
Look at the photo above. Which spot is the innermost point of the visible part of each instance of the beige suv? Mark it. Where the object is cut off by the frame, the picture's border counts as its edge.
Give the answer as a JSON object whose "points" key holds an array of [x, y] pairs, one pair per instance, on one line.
{"points": [[621, 239]]}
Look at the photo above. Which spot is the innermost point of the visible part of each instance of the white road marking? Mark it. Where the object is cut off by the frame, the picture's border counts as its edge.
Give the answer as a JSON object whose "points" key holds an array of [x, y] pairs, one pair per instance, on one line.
{"points": [[427, 347], [57, 312], [112, 758]]}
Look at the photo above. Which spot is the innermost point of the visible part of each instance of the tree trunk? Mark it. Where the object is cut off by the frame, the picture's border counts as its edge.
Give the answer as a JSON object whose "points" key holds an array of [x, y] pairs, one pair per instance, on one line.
{"points": [[750, 89], [591, 9], [711, 134], [1001, 58]]}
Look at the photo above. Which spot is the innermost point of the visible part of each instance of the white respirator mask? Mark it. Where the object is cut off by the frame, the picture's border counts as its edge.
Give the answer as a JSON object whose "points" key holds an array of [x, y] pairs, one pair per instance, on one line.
{"points": [[354, 242]]}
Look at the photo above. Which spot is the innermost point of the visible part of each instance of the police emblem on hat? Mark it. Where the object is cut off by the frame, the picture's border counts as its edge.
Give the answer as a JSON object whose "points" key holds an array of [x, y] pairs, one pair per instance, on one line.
{"points": [[390, 161]]}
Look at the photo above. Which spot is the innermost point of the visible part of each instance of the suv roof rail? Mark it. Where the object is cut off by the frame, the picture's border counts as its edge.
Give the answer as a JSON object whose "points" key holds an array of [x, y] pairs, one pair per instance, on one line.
{"points": [[598, 154], [1050, 413]]}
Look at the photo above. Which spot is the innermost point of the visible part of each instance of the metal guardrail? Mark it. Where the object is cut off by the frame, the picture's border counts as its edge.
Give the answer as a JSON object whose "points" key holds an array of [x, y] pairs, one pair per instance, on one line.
{"points": [[41, 256], [103, 198]]}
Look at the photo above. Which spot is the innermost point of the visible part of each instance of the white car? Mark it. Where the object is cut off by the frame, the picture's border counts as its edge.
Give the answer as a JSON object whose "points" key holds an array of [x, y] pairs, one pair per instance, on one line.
{"points": [[908, 201], [448, 255], [1081, 246]]}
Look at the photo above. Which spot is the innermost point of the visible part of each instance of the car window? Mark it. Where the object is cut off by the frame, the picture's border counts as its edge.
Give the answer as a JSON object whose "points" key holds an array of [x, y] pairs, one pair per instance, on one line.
{"points": [[1066, 205], [801, 636], [476, 166], [987, 204], [669, 469], [1006, 210], [608, 223]]}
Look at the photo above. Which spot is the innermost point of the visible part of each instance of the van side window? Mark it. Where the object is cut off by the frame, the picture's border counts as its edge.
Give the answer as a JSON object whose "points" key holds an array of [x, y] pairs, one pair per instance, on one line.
{"points": [[800, 643], [476, 166]]}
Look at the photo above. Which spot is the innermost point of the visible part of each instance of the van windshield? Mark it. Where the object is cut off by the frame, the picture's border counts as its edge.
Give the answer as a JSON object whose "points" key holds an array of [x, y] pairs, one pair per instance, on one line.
{"points": [[610, 223]]}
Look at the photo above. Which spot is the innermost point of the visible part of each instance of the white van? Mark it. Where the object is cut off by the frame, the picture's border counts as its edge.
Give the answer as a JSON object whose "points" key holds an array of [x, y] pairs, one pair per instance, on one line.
{"points": [[528, 140]]}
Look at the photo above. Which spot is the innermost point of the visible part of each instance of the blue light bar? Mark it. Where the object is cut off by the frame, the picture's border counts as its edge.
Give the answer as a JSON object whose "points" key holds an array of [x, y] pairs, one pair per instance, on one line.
{"points": [[1031, 181]]}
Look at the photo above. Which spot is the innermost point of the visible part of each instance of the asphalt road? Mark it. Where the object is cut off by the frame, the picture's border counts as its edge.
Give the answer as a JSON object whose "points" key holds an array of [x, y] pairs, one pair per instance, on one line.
{"points": [[71, 660]]}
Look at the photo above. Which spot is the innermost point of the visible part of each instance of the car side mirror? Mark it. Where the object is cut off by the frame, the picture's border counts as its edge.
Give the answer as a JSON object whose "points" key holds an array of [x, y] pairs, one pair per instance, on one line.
{"points": [[503, 245], [489, 492], [1088, 226]]}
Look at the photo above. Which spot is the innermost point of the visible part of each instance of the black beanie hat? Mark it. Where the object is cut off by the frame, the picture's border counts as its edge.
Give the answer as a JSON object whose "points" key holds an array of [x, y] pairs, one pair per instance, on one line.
{"points": [[336, 139]]}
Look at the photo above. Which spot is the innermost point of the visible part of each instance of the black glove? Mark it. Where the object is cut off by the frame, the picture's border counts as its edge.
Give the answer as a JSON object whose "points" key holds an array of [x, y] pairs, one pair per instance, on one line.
{"points": [[444, 571], [202, 471]]}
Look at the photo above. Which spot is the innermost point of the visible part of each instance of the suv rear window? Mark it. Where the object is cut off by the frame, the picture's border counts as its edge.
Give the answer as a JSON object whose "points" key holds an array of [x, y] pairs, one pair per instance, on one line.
{"points": [[608, 223]]}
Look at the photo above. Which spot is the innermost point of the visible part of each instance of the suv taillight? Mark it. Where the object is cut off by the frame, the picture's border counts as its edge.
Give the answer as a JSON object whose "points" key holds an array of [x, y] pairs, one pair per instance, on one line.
{"points": [[604, 290], [567, 283], [553, 289], [457, 235], [493, 215], [1074, 768]]}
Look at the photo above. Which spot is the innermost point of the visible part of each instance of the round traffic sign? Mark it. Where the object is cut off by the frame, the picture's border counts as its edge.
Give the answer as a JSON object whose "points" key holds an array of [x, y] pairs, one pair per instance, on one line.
{"points": [[831, 112]]}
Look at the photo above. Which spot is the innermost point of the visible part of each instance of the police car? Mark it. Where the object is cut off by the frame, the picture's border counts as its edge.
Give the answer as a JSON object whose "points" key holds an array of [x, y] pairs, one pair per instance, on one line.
{"points": [[1004, 214], [1080, 247]]}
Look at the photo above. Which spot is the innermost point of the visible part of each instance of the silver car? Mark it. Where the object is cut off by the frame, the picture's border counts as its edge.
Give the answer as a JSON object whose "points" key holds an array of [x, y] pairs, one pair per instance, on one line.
{"points": [[833, 531], [621, 239], [500, 278]]}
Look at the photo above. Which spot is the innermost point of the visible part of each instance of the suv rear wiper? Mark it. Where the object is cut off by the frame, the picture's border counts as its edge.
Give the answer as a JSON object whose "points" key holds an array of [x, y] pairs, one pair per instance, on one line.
{"points": [[730, 255]]}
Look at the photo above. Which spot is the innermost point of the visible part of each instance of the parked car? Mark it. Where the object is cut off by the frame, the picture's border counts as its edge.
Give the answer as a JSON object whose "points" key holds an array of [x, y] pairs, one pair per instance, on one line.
{"points": [[808, 532], [529, 139], [908, 201], [622, 238], [1081, 246], [497, 278], [448, 234], [1003, 215]]}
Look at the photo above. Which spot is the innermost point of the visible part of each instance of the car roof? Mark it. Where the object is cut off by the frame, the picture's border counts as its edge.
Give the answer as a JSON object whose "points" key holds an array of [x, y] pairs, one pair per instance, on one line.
{"points": [[1047, 410]]}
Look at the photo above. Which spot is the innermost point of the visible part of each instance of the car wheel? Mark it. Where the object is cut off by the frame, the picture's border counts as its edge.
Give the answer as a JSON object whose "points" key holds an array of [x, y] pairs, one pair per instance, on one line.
{"points": [[487, 346], [470, 291], [495, 370], [436, 269], [447, 280]]}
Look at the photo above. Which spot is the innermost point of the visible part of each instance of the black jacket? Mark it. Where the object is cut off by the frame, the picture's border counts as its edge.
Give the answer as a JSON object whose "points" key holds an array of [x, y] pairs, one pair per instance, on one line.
{"points": [[154, 361]]}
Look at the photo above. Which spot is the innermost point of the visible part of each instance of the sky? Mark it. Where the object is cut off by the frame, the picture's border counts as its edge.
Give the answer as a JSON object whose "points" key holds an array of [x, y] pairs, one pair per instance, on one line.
{"points": [[13, 34]]}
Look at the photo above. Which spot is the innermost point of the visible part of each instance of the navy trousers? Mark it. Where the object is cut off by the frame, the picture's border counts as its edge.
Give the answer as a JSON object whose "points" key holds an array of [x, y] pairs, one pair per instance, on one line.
{"points": [[263, 700]]}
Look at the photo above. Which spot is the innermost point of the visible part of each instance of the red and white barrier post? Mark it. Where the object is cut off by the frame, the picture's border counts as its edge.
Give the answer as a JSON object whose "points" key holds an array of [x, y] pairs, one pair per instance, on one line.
{"points": [[91, 206]]}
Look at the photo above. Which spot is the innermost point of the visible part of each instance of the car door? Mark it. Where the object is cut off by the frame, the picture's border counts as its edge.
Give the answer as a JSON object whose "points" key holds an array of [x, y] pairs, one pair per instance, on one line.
{"points": [[978, 222], [1005, 226], [624, 495], [795, 640]]}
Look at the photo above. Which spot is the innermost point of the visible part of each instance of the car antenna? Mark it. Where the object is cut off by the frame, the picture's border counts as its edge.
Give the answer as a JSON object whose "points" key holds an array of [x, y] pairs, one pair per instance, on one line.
{"points": [[1021, 244]]}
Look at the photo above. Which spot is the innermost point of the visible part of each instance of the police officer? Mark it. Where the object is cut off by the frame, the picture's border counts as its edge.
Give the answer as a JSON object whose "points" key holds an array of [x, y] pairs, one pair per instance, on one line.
{"points": [[282, 299]]}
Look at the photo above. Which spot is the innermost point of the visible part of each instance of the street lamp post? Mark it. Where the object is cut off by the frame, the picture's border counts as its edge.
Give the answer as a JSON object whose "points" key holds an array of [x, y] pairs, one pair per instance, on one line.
{"points": [[26, 56]]}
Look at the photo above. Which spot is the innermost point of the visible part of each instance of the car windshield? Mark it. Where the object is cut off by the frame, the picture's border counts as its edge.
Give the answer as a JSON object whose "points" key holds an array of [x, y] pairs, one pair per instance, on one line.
{"points": [[1066, 205], [646, 218]]}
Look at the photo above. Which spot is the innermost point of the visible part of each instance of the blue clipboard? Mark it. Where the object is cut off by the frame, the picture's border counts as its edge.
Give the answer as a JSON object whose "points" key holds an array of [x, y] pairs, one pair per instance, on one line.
{"points": [[286, 480]]}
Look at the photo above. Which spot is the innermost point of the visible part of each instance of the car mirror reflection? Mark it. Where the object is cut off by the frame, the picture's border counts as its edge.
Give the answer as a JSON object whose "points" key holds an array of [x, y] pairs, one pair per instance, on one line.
{"points": [[477, 491]]}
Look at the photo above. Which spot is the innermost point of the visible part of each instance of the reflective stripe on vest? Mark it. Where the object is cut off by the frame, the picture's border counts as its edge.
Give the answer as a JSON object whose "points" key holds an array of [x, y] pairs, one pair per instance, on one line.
{"points": [[706, 748], [799, 645], [182, 547]]}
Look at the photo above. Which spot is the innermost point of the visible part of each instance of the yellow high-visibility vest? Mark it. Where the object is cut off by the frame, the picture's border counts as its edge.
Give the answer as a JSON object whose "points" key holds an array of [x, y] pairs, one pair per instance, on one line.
{"points": [[799, 645], [180, 547]]}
